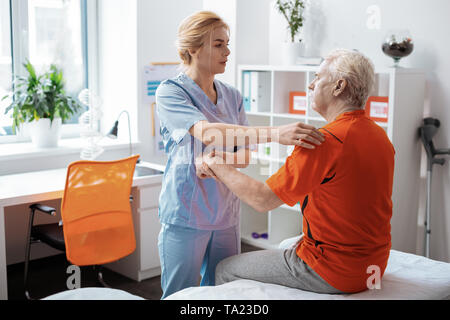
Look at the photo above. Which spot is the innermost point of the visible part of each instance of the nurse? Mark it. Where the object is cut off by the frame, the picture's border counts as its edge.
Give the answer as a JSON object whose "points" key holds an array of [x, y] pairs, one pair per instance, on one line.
{"points": [[200, 215]]}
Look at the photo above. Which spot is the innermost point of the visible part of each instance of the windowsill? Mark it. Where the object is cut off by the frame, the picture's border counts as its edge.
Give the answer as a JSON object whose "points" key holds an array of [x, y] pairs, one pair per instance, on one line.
{"points": [[24, 150]]}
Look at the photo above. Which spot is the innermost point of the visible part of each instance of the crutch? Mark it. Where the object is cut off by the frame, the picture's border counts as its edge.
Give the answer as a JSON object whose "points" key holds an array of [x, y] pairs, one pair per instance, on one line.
{"points": [[428, 129]]}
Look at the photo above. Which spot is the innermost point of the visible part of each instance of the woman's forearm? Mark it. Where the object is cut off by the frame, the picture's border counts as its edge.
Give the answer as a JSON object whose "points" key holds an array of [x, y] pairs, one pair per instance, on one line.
{"points": [[229, 135]]}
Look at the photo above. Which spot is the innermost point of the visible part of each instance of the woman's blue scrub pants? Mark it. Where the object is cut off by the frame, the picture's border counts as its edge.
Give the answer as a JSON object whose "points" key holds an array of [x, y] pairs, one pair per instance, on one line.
{"points": [[187, 253]]}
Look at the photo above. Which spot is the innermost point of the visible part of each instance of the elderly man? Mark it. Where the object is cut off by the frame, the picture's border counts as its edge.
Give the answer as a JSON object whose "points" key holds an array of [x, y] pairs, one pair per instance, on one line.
{"points": [[344, 187]]}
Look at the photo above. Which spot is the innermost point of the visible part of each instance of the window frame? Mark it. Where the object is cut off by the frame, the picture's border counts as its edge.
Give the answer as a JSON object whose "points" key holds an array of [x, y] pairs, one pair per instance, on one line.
{"points": [[19, 51]]}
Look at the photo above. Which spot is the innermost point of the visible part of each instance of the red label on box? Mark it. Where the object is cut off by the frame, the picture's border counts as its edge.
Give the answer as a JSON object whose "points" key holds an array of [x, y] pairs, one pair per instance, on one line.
{"points": [[297, 102], [377, 108]]}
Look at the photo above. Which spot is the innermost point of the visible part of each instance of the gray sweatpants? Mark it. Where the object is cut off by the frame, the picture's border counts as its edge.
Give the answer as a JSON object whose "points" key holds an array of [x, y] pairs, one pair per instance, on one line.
{"points": [[281, 266]]}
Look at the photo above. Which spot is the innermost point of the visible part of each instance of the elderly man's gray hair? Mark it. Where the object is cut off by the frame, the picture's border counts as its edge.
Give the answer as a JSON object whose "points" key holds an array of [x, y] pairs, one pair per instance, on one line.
{"points": [[357, 70]]}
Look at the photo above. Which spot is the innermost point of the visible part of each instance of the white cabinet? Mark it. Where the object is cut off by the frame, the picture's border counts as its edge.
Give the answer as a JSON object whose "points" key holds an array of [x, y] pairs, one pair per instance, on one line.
{"points": [[150, 227], [143, 263], [404, 89]]}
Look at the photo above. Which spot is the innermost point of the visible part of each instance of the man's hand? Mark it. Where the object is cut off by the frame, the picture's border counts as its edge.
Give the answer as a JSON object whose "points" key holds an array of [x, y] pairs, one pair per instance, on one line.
{"points": [[299, 134]]}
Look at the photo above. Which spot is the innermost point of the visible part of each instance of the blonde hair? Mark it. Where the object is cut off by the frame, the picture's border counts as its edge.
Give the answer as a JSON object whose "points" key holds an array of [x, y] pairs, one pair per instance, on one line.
{"points": [[193, 31], [357, 70]]}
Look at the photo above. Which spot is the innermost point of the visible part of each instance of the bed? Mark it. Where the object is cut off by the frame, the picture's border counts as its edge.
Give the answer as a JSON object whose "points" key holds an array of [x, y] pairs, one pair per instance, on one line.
{"points": [[407, 276]]}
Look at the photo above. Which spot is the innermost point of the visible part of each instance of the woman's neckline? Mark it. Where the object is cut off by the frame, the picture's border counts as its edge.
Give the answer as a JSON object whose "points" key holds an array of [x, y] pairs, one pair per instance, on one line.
{"points": [[218, 93]]}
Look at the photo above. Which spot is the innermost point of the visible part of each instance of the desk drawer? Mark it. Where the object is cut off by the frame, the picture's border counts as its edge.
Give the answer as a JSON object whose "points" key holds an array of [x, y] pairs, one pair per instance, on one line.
{"points": [[149, 196]]}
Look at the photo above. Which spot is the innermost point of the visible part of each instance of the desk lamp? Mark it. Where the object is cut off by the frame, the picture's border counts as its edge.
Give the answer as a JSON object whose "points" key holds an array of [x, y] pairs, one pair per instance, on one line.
{"points": [[113, 133]]}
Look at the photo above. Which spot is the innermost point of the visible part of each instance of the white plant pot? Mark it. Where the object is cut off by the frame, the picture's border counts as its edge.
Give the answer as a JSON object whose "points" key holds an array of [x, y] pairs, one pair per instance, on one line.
{"points": [[45, 134], [291, 51]]}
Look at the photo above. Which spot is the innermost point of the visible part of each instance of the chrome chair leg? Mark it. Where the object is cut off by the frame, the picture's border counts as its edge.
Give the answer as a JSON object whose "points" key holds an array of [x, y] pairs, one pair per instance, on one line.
{"points": [[100, 277], [27, 295], [27, 254]]}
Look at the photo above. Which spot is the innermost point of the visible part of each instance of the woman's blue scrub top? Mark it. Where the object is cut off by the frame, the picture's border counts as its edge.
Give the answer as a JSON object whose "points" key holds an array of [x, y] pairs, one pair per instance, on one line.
{"points": [[186, 200]]}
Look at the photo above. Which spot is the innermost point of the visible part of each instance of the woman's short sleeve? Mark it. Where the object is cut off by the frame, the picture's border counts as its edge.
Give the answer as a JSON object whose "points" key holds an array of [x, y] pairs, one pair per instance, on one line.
{"points": [[176, 111]]}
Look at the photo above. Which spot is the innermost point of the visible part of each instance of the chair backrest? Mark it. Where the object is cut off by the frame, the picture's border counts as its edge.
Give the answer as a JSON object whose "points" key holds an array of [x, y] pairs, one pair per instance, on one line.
{"points": [[96, 212]]}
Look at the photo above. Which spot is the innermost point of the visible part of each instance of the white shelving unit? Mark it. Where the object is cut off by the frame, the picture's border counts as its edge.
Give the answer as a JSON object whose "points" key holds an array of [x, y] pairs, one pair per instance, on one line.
{"points": [[405, 89]]}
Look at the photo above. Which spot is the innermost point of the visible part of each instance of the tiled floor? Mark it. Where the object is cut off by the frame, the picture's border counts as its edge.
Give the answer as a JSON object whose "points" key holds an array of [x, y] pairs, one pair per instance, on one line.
{"points": [[48, 276]]}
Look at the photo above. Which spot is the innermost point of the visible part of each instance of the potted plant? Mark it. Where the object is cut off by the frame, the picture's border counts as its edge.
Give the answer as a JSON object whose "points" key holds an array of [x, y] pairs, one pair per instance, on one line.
{"points": [[292, 11], [42, 102]]}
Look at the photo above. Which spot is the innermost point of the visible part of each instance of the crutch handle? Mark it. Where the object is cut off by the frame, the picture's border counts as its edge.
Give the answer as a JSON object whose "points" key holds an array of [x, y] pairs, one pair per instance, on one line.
{"points": [[442, 151], [439, 161]]}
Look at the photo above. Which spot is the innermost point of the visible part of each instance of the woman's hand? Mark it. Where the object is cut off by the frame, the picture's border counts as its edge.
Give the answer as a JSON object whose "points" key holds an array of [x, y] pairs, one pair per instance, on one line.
{"points": [[299, 134], [212, 159], [203, 162], [202, 170]]}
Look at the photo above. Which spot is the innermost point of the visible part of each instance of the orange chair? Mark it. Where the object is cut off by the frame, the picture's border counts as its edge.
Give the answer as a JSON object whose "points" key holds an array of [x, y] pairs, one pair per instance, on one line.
{"points": [[97, 225]]}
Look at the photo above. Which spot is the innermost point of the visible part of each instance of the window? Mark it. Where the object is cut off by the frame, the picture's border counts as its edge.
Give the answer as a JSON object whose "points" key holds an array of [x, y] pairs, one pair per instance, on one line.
{"points": [[45, 32], [5, 65]]}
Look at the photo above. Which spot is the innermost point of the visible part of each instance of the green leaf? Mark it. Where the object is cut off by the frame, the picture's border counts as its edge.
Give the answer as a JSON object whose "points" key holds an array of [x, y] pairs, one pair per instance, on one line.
{"points": [[40, 96], [292, 10], [30, 69]]}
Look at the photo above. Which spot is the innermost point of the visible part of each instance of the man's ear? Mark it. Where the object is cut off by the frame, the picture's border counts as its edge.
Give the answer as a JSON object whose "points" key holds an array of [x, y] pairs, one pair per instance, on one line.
{"points": [[339, 87]]}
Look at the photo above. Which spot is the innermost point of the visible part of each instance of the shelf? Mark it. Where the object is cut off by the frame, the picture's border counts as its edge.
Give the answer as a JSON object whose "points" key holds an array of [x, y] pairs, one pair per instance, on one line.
{"points": [[298, 117], [382, 124], [260, 243], [295, 208], [260, 114], [290, 115], [306, 68], [281, 68], [256, 156], [317, 119], [71, 146], [285, 115]]}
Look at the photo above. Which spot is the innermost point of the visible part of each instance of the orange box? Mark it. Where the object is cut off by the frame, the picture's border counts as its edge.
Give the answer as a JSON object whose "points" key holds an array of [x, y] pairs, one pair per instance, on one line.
{"points": [[297, 102], [377, 108]]}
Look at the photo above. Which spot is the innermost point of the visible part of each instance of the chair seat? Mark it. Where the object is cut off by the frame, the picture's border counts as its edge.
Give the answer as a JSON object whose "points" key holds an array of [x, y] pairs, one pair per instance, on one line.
{"points": [[51, 234]]}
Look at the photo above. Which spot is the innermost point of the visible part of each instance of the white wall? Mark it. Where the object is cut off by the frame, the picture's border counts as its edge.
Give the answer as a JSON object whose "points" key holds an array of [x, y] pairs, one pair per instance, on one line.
{"points": [[157, 26], [117, 44], [249, 41], [227, 11], [132, 35], [252, 32]]}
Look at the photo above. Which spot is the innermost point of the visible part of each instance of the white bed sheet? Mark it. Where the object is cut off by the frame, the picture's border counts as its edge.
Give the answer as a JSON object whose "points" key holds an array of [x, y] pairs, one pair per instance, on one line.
{"points": [[407, 276]]}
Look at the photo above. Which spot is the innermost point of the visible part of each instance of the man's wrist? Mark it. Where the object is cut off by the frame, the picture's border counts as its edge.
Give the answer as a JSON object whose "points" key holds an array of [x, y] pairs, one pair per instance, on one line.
{"points": [[273, 134], [219, 165], [212, 164]]}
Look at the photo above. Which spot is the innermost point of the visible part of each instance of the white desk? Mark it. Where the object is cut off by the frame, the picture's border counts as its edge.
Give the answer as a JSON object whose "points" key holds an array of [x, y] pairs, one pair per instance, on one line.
{"points": [[33, 187]]}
